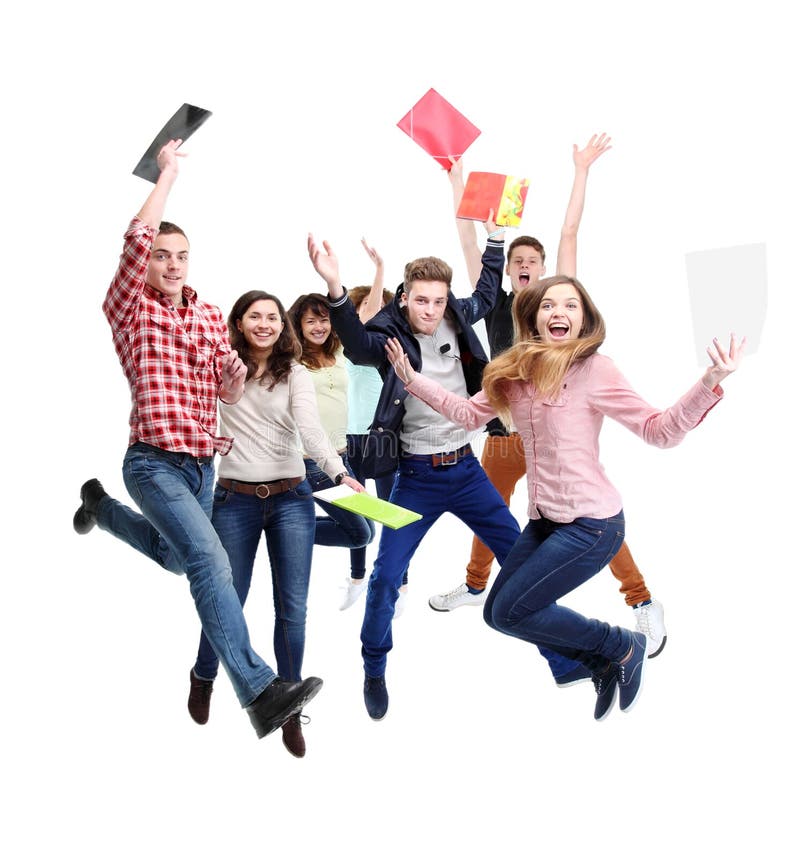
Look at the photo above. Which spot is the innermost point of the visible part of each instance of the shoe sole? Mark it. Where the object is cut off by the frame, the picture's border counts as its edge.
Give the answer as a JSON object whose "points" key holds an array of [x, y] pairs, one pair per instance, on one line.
{"points": [[660, 648], [573, 682], [292, 709], [83, 521], [455, 607]]}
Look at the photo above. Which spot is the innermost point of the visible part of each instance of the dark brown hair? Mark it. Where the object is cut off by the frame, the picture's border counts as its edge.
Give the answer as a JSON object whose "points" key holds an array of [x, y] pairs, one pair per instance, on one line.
{"points": [[285, 351], [167, 228], [525, 241], [317, 305]]}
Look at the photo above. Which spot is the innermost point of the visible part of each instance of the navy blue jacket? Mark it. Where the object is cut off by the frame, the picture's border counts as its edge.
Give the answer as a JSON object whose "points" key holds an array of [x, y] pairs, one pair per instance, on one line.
{"points": [[365, 344]]}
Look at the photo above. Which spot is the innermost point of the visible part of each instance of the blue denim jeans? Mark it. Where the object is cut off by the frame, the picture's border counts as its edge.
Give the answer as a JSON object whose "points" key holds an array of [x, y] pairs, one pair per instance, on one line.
{"points": [[174, 493], [548, 561], [338, 527], [287, 522], [383, 488], [462, 489]]}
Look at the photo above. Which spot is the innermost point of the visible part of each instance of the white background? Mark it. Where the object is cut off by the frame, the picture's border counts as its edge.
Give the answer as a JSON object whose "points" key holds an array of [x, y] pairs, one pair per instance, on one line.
{"points": [[480, 754]]}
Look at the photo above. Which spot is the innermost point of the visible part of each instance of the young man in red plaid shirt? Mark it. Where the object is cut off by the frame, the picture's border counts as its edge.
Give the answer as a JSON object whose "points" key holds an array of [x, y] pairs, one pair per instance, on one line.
{"points": [[175, 353]]}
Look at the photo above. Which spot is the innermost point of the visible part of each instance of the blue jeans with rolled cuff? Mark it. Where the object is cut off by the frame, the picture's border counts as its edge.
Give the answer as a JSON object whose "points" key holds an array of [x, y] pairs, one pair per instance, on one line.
{"points": [[287, 522], [174, 493], [549, 560]]}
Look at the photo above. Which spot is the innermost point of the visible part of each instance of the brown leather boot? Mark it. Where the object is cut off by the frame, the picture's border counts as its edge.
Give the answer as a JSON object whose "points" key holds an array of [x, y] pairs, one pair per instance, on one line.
{"points": [[199, 698], [293, 738]]}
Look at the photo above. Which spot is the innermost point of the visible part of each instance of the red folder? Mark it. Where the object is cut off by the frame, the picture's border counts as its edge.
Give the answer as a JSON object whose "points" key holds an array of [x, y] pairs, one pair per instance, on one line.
{"points": [[504, 195], [439, 128]]}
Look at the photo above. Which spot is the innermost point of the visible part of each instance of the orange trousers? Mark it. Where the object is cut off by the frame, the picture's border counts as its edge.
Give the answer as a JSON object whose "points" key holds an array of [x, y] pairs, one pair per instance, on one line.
{"points": [[503, 460]]}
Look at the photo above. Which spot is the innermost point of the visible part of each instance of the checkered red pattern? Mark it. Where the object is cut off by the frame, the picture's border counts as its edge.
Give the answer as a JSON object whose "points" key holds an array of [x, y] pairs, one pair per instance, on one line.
{"points": [[172, 364]]}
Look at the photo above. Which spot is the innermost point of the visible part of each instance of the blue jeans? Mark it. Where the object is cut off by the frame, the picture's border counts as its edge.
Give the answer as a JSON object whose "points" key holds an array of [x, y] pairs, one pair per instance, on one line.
{"points": [[174, 493], [339, 528], [287, 521], [548, 561], [462, 489], [383, 488]]}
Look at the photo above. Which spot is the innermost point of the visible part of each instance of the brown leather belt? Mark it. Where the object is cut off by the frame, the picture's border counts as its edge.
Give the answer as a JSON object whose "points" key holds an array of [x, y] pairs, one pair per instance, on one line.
{"points": [[439, 460], [260, 490]]}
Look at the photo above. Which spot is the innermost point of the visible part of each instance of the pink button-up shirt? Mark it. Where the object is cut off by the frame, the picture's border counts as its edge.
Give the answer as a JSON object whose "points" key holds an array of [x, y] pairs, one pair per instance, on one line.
{"points": [[561, 435]]}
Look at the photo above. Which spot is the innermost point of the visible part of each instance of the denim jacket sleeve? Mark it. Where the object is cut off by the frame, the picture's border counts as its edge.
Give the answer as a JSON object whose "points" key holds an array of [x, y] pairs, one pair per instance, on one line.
{"points": [[487, 288]]}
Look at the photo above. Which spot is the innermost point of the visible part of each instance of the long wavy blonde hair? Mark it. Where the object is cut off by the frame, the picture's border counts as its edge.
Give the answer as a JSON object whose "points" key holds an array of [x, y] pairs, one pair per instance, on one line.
{"points": [[536, 362]]}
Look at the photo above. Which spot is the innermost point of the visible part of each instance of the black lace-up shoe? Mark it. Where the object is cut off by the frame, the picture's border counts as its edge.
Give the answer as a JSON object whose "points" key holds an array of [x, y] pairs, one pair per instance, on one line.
{"points": [[279, 701], [92, 492]]}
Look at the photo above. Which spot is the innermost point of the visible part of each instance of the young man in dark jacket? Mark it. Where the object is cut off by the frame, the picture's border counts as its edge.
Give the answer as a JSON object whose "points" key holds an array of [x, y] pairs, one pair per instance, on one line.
{"points": [[437, 471]]}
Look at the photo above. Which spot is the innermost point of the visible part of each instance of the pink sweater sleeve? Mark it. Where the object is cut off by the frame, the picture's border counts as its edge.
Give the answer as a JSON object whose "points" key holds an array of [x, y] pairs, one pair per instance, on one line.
{"points": [[612, 395], [469, 413]]}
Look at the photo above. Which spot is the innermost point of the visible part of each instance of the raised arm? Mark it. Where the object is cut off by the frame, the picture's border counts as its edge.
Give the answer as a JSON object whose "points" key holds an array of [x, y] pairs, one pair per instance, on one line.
{"points": [[121, 304], [167, 159], [326, 265], [567, 260], [373, 303], [467, 234], [360, 346]]}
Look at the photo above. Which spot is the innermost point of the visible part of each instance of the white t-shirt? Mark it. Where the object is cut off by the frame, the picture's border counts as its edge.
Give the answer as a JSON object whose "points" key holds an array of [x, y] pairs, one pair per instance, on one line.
{"points": [[424, 430]]}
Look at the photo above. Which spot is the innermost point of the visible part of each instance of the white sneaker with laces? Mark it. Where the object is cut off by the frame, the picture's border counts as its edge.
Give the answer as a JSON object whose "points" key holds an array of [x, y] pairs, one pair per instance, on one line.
{"points": [[650, 623], [352, 590], [402, 598], [456, 599]]}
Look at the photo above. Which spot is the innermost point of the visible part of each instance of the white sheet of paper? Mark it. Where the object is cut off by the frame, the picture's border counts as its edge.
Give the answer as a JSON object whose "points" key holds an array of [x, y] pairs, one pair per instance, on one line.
{"points": [[728, 293]]}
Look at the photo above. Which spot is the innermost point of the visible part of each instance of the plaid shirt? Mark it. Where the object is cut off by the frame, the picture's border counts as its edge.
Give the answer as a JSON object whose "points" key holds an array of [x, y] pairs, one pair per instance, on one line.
{"points": [[172, 364]]}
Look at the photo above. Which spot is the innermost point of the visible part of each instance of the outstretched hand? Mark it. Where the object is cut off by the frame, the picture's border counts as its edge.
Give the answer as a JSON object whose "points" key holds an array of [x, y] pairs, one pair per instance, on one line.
{"points": [[585, 157], [399, 360], [167, 158], [325, 262], [456, 171], [373, 254], [723, 363], [490, 225]]}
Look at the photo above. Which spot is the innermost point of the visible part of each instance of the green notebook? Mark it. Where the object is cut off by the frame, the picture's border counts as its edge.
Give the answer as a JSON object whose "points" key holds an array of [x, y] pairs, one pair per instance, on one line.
{"points": [[363, 503]]}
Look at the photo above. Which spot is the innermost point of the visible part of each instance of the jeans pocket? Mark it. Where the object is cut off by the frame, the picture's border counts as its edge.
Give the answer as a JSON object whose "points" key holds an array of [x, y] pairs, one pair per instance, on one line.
{"points": [[221, 495], [302, 490]]}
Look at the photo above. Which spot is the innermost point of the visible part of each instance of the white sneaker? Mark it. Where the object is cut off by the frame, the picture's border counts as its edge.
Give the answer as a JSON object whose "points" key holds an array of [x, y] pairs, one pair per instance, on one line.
{"points": [[352, 590], [456, 599], [650, 622], [402, 598]]}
